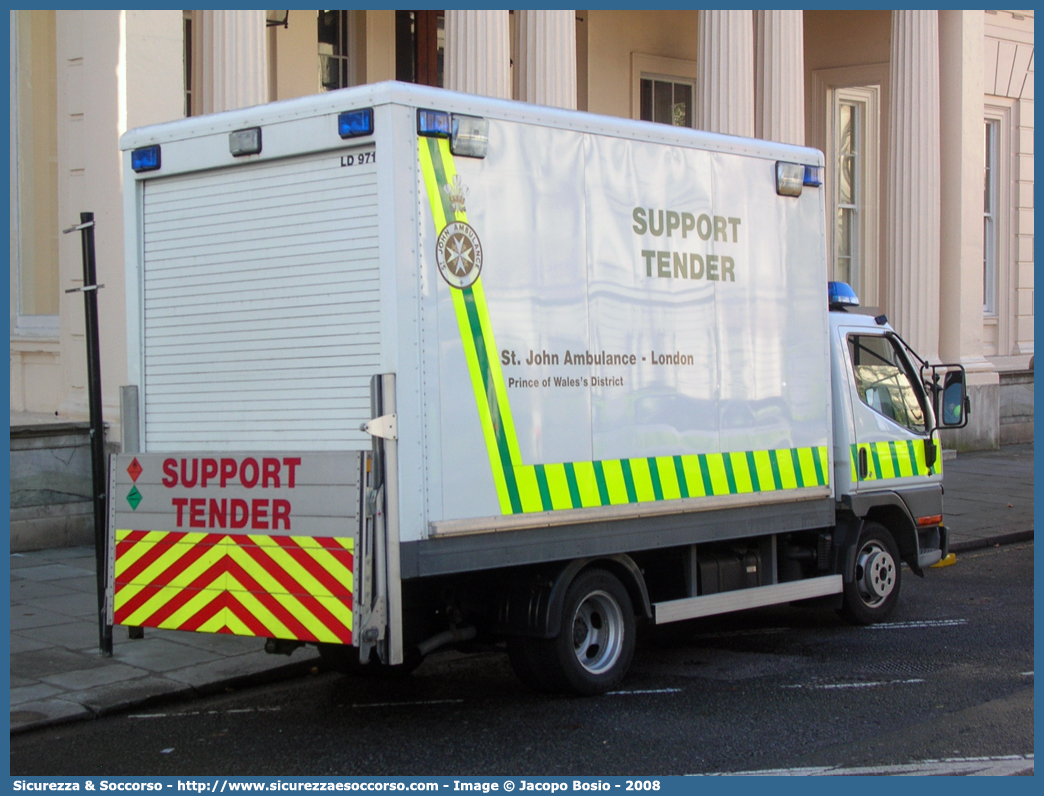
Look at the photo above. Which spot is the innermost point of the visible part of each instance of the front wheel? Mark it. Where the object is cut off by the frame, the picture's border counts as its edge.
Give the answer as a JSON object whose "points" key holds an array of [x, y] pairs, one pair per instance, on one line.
{"points": [[593, 650], [874, 590]]}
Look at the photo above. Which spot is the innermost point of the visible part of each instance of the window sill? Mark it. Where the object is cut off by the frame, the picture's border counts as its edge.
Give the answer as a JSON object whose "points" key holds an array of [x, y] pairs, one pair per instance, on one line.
{"points": [[32, 344]]}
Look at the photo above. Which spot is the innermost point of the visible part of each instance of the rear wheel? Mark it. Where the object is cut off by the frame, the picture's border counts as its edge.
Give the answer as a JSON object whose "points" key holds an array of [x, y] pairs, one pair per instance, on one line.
{"points": [[594, 647], [874, 590]]}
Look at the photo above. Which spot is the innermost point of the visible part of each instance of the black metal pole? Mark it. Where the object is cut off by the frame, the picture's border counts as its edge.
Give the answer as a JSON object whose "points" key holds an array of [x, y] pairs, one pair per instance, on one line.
{"points": [[94, 396]]}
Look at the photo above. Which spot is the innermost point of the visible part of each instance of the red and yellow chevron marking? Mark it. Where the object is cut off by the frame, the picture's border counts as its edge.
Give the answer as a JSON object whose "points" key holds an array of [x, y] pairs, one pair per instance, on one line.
{"points": [[285, 587]]}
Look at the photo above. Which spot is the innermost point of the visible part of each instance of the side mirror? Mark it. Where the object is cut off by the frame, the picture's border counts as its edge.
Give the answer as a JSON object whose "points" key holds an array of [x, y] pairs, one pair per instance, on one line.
{"points": [[953, 406]]}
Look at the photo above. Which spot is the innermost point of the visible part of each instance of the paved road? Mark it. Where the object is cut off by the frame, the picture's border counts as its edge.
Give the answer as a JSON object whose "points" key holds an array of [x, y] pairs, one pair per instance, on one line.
{"points": [[950, 677]]}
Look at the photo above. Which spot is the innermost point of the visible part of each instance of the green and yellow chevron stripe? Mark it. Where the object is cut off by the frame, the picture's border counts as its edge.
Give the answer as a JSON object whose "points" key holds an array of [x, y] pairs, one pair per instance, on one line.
{"points": [[894, 459], [523, 488]]}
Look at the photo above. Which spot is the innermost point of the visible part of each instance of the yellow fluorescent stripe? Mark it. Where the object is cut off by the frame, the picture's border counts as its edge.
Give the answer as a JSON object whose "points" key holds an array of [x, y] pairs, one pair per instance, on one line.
{"points": [[199, 567], [495, 373], [305, 617], [198, 602], [265, 541], [824, 461], [808, 466], [902, 453], [346, 542], [528, 489], [587, 484], [481, 402], [137, 549], [431, 184], [125, 595], [884, 455], [187, 575], [763, 465], [741, 473], [338, 609], [668, 477], [337, 570], [256, 609], [264, 579], [787, 477], [693, 476], [643, 488], [147, 543], [716, 468], [232, 622], [557, 486], [159, 598], [341, 612], [614, 482], [282, 559]]}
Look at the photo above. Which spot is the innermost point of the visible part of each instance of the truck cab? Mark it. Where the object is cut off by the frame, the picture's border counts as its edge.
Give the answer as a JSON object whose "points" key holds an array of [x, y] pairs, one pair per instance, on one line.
{"points": [[887, 455]]}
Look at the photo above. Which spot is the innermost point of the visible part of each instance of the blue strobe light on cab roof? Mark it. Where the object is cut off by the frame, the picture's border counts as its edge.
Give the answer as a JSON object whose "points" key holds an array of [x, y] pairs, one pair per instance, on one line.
{"points": [[841, 295]]}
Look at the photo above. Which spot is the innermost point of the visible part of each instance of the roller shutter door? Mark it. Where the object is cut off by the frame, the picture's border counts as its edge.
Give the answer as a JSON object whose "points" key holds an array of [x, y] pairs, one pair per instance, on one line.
{"points": [[261, 307]]}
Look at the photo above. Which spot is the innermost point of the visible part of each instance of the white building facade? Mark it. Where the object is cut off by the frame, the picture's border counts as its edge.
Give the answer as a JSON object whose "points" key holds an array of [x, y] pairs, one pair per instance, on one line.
{"points": [[926, 119]]}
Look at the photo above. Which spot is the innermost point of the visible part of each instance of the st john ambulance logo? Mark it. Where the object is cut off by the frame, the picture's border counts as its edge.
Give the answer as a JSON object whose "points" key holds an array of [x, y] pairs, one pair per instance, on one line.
{"points": [[459, 255]]}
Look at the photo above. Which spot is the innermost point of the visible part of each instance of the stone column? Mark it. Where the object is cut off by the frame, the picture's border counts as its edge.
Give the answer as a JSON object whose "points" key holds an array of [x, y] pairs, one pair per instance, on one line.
{"points": [[478, 52], [779, 76], [961, 153], [547, 58], [912, 212], [235, 59], [725, 73]]}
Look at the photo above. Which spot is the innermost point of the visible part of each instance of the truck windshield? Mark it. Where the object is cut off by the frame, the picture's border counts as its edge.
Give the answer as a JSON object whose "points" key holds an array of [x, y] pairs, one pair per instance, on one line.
{"points": [[883, 382]]}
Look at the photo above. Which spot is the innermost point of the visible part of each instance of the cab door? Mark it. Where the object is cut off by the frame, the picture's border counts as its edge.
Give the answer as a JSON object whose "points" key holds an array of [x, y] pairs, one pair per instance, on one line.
{"points": [[892, 444]]}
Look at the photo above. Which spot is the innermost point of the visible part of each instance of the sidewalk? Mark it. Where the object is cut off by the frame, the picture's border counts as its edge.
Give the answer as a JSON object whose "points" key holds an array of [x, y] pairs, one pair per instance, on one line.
{"points": [[57, 673]]}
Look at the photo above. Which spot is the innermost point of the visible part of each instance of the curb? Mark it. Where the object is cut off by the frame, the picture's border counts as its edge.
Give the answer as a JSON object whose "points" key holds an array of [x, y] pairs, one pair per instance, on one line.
{"points": [[992, 541], [276, 674]]}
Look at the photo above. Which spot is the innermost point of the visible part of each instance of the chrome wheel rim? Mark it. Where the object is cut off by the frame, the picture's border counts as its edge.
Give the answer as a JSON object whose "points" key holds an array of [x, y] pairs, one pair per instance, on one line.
{"points": [[597, 632], [876, 573]]}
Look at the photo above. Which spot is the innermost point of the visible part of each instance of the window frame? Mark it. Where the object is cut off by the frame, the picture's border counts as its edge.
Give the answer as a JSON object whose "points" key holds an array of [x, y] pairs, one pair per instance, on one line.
{"points": [[656, 67], [343, 59], [999, 326], [912, 375], [867, 84], [865, 258]]}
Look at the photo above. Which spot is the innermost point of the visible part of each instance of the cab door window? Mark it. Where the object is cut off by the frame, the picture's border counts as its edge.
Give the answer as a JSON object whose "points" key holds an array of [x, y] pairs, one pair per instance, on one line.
{"points": [[884, 382]]}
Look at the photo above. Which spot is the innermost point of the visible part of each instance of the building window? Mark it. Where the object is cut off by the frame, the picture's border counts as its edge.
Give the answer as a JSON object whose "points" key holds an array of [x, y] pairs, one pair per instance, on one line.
{"points": [[420, 47], [989, 220], [34, 162], [847, 193], [187, 23], [333, 50], [853, 160], [666, 100]]}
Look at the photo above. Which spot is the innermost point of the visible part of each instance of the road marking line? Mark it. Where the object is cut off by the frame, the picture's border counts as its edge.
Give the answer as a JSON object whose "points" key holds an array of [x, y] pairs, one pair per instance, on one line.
{"points": [[1003, 765], [1027, 674], [871, 684], [644, 691], [921, 623], [403, 704]]}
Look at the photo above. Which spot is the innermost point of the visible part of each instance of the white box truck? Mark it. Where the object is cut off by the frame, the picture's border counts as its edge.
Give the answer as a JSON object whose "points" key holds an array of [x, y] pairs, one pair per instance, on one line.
{"points": [[410, 367]]}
